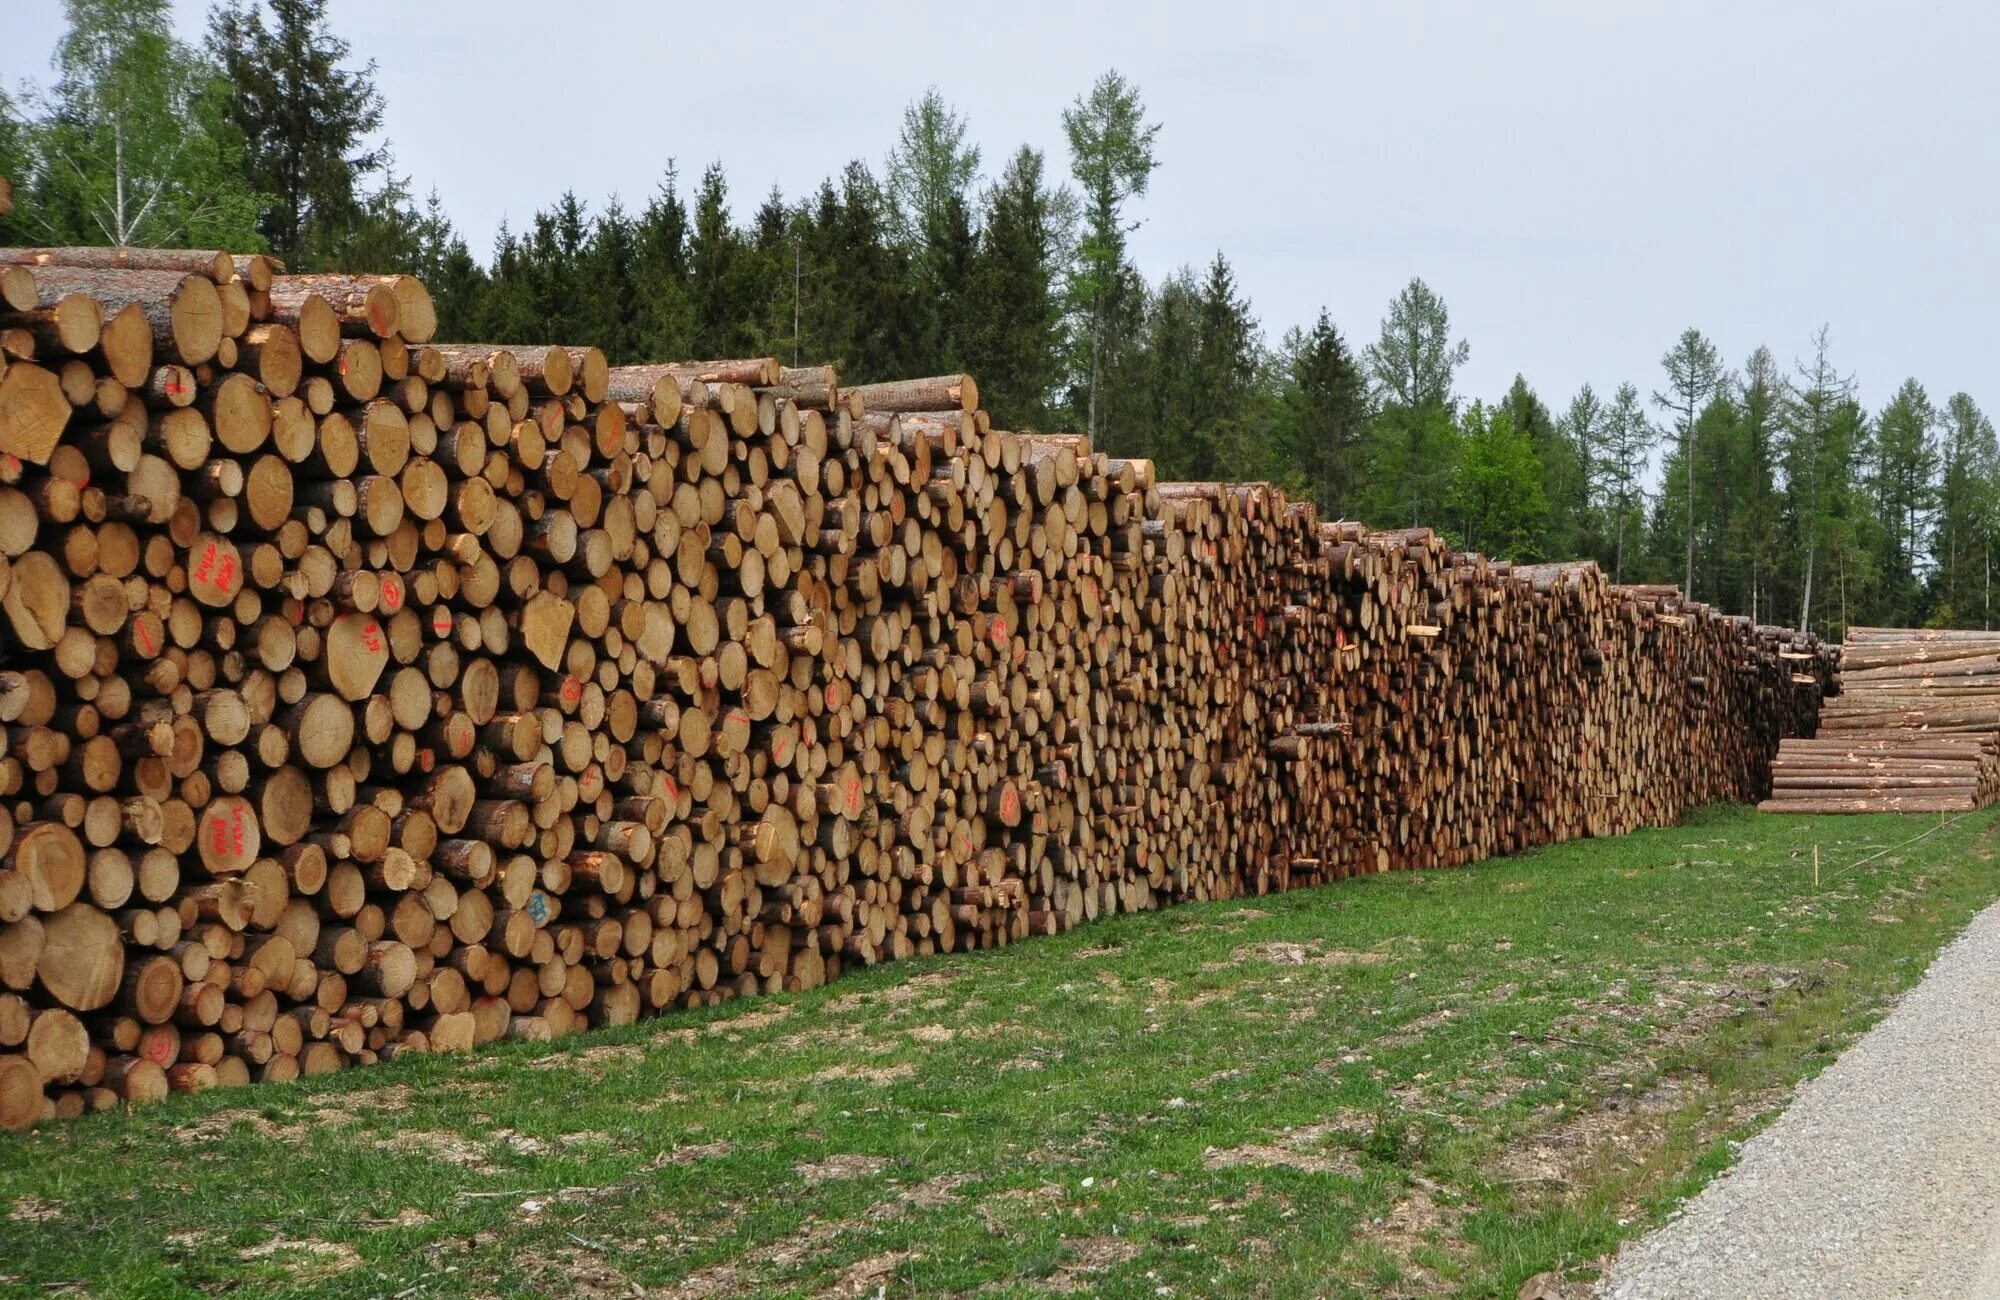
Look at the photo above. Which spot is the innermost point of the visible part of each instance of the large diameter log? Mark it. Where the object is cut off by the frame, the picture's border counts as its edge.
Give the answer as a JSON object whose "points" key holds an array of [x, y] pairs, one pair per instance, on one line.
{"points": [[361, 304], [83, 958], [33, 412], [185, 311], [37, 602], [71, 322], [653, 389], [21, 1096]]}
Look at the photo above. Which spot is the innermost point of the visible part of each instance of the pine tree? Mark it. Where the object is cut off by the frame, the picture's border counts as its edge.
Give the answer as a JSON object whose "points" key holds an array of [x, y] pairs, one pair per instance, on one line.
{"points": [[306, 121], [1414, 362]]}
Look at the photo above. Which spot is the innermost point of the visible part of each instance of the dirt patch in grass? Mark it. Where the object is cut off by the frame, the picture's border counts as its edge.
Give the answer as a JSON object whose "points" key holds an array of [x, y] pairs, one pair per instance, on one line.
{"points": [[868, 1277], [598, 1059], [212, 1128], [717, 1280], [879, 1075], [693, 1154], [1336, 1162], [33, 1209], [1279, 953], [835, 1167], [931, 1194], [1085, 1256], [750, 1020], [997, 1208], [305, 1258], [407, 1217], [580, 1271], [1416, 1223], [450, 1148], [1622, 1130]]}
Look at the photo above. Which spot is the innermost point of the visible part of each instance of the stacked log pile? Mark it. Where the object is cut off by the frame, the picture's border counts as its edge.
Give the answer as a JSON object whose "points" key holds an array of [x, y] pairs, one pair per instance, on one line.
{"points": [[366, 694], [1916, 728]]}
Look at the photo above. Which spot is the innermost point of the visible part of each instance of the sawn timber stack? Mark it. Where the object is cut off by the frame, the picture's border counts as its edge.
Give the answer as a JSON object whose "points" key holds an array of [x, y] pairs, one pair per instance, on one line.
{"points": [[367, 694]]}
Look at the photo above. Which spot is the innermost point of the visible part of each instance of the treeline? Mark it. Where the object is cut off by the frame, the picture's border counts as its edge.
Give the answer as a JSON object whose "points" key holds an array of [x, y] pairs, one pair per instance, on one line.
{"points": [[1765, 488]]}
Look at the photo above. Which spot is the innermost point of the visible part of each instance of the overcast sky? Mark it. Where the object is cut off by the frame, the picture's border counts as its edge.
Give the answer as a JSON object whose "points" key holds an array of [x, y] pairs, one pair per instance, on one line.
{"points": [[1580, 181]]}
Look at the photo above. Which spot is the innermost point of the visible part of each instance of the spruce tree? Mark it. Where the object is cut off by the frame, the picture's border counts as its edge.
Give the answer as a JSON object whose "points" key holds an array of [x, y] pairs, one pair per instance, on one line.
{"points": [[1321, 416], [1563, 480], [662, 313], [1962, 540], [1752, 543], [1012, 313], [1905, 462], [306, 121], [1414, 438]]}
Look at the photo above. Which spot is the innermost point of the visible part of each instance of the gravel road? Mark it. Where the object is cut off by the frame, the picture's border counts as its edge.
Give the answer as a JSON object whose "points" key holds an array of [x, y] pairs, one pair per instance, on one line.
{"points": [[1881, 1180]]}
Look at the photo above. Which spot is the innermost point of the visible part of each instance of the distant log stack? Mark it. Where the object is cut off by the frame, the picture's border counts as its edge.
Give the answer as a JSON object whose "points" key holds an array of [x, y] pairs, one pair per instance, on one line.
{"points": [[368, 695], [1916, 728]]}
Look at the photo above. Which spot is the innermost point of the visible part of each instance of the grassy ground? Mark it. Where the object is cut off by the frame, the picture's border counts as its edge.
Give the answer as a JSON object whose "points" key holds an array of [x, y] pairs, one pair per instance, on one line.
{"points": [[1433, 1084]]}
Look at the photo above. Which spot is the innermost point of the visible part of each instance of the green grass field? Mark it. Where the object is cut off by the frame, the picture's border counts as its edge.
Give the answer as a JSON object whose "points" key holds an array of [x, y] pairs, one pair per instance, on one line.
{"points": [[1430, 1084]]}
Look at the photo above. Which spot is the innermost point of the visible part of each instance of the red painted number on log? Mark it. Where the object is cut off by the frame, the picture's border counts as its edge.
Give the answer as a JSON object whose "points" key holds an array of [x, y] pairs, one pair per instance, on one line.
{"points": [[999, 630], [226, 834], [392, 594], [1010, 804], [572, 690], [371, 638]]}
